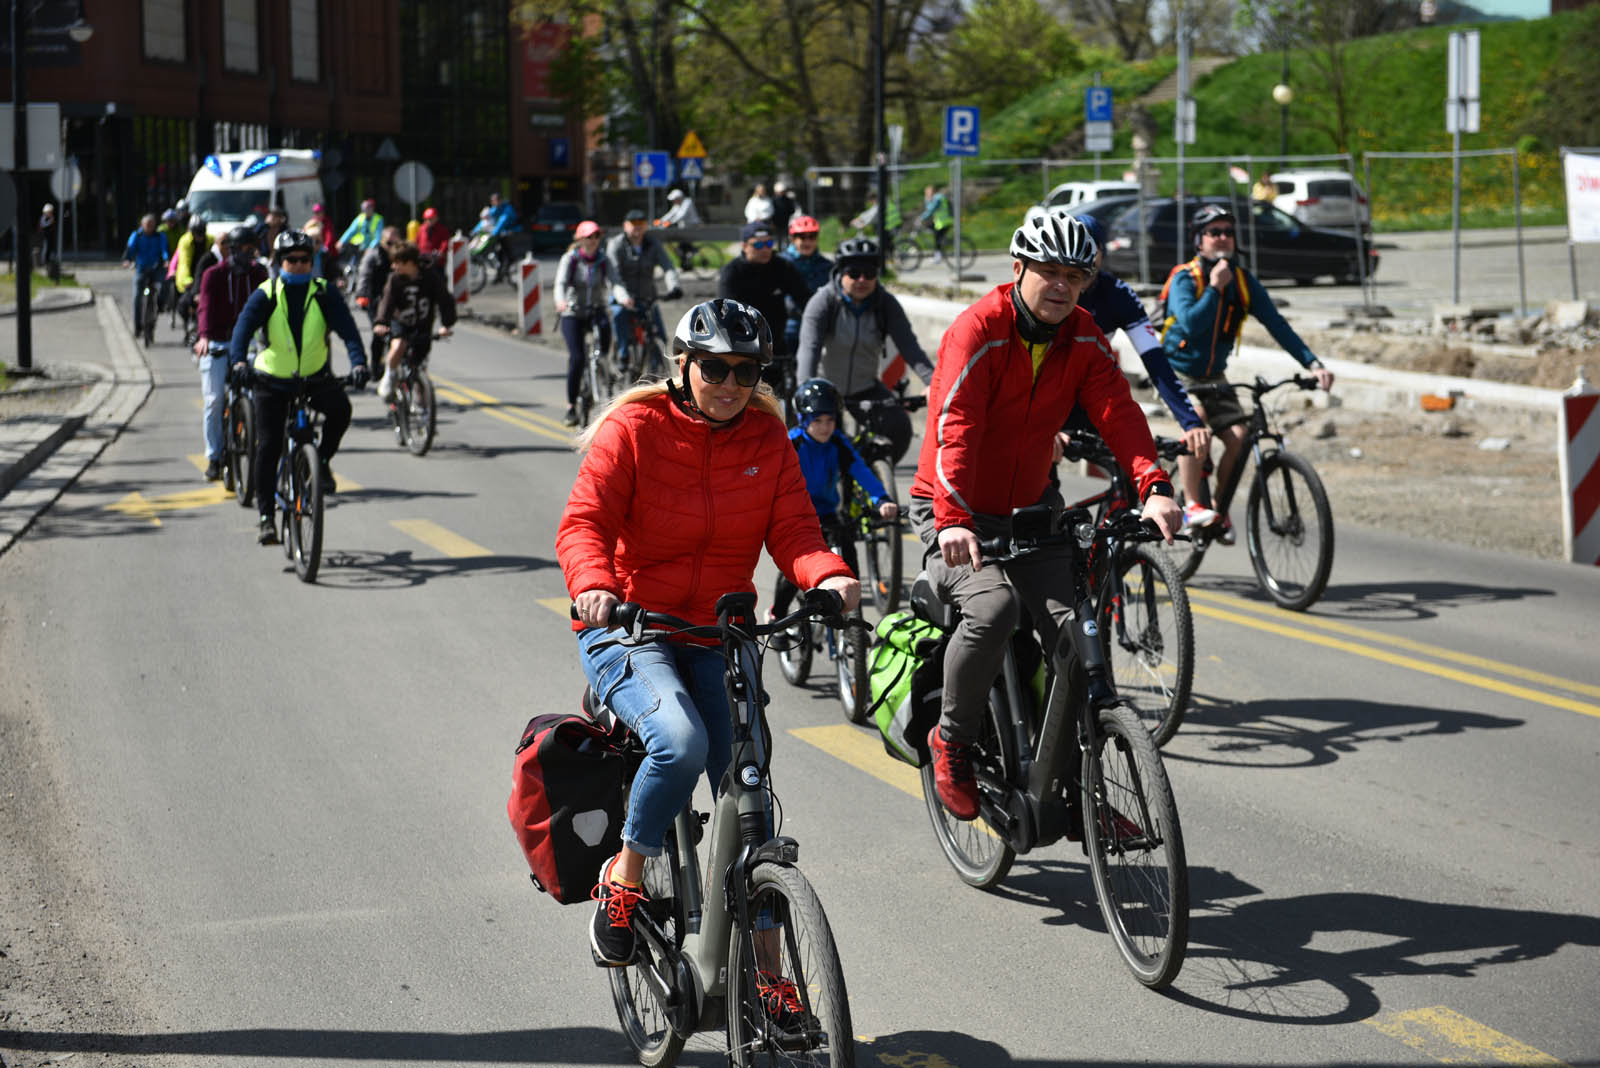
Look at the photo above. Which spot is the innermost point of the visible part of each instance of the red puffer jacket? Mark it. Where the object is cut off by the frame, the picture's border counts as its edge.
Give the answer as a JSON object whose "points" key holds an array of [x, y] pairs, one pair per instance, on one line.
{"points": [[987, 447], [672, 514]]}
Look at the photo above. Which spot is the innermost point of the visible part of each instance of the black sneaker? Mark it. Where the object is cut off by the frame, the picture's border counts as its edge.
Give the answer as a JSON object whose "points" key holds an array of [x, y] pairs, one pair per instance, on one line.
{"points": [[611, 935], [213, 470], [328, 484], [784, 1008], [267, 532], [572, 415]]}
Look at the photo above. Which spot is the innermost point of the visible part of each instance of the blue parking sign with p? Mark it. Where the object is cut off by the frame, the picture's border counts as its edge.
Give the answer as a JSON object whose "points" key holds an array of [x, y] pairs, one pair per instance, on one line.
{"points": [[961, 131], [1097, 104]]}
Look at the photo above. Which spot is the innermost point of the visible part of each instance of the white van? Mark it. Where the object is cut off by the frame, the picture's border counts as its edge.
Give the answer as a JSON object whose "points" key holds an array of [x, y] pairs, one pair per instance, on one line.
{"points": [[1069, 194], [232, 186]]}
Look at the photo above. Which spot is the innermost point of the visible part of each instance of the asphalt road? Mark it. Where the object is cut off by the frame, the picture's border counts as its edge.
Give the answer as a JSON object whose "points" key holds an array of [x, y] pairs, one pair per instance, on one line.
{"points": [[281, 808]]}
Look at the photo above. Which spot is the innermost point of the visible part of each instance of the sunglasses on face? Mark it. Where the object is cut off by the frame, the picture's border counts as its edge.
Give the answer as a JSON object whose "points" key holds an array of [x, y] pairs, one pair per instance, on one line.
{"points": [[805, 237], [768, 243], [297, 259], [715, 371], [868, 273], [1219, 231]]}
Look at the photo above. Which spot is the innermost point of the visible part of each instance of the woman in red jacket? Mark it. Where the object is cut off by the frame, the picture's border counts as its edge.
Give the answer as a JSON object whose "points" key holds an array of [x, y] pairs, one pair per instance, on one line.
{"points": [[681, 485]]}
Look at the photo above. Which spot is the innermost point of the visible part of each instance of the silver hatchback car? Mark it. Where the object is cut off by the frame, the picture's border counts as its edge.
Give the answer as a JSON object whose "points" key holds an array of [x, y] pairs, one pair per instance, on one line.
{"points": [[1329, 199]]}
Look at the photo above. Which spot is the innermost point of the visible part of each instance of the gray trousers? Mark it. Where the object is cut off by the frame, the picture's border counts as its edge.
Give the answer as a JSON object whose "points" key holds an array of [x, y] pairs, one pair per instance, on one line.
{"points": [[991, 602]]}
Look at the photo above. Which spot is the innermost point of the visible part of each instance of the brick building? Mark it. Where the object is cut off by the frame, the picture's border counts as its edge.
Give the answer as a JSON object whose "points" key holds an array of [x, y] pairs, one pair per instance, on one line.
{"points": [[456, 84]]}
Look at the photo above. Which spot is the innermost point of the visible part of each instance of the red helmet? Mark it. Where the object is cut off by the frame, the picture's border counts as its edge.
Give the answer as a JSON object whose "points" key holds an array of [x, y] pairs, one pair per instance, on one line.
{"points": [[430, 213], [803, 224]]}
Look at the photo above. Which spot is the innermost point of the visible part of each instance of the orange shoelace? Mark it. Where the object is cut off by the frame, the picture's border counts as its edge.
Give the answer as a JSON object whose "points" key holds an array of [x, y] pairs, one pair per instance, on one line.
{"points": [[620, 901], [778, 993]]}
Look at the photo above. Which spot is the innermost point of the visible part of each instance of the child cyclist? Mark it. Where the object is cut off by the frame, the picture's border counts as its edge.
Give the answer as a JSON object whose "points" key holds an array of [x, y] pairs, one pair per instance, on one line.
{"points": [[823, 456]]}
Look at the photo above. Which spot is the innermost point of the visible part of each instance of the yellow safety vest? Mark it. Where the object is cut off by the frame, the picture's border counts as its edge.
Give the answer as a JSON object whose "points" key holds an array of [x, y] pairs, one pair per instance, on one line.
{"points": [[282, 358]]}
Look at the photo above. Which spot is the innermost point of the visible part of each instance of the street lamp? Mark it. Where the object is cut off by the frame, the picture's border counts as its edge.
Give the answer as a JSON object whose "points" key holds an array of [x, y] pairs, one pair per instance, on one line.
{"points": [[1283, 95], [22, 233]]}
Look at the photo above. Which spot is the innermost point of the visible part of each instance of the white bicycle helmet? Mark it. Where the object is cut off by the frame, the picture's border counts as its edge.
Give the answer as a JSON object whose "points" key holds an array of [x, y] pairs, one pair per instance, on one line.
{"points": [[1053, 235]]}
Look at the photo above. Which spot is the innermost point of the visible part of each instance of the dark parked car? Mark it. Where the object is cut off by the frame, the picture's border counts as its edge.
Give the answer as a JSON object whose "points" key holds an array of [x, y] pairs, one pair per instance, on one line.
{"points": [[1104, 208], [553, 223], [1284, 247]]}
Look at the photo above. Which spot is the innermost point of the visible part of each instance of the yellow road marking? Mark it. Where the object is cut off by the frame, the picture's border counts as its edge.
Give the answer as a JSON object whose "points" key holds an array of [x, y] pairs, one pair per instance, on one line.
{"points": [[1337, 627], [561, 606], [436, 537], [863, 751], [542, 425], [1510, 689], [1449, 1037], [138, 505]]}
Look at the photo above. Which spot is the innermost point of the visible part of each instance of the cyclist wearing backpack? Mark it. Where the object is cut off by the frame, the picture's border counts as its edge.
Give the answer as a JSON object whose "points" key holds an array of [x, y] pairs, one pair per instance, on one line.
{"points": [[1010, 369], [824, 455], [1206, 301], [682, 483], [298, 312], [842, 336]]}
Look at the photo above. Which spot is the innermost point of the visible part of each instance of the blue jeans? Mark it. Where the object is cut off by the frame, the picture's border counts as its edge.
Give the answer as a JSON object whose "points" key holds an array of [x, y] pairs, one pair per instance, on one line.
{"points": [[622, 320], [213, 381], [673, 699]]}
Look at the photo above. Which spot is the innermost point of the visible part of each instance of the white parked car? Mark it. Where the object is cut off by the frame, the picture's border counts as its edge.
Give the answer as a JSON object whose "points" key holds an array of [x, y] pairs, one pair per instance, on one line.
{"points": [[1071, 194], [1330, 199]]}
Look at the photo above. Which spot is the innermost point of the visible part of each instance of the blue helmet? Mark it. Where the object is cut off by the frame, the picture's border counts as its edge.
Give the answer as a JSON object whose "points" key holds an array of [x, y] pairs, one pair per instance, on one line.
{"points": [[816, 396], [1096, 228]]}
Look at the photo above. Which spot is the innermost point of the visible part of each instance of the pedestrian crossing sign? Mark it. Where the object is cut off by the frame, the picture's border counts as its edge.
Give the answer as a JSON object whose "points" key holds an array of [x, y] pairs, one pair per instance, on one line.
{"points": [[691, 169]]}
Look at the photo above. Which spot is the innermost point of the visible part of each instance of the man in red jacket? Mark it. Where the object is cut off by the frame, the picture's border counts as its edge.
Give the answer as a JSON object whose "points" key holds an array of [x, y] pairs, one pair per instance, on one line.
{"points": [[1010, 369]]}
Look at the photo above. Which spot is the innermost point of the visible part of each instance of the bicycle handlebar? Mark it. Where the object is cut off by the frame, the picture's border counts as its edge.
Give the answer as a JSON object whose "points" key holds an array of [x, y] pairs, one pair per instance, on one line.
{"points": [[1259, 388], [637, 621], [1087, 445], [1073, 527]]}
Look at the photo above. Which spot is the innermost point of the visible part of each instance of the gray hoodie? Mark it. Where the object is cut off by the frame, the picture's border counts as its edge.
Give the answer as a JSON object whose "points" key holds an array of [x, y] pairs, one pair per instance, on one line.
{"points": [[845, 343]]}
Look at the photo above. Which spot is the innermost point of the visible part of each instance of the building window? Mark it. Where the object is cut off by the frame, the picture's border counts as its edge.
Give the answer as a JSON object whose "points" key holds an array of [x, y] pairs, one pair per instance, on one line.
{"points": [[163, 31], [304, 41], [241, 49]]}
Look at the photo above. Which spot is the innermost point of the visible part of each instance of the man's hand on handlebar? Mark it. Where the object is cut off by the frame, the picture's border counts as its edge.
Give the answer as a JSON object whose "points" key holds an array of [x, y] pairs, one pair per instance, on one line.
{"points": [[958, 545], [594, 607], [848, 587], [1198, 440], [889, 509], [1324, 378], [1165, 514]]}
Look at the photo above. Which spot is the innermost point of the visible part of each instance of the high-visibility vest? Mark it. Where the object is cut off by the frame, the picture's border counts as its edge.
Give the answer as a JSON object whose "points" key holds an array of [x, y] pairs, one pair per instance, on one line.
{"points": [[283, 358]]}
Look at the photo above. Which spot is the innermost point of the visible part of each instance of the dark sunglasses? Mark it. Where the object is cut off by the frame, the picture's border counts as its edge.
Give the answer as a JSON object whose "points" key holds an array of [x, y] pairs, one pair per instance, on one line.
{"points": [[868, 273], [768, 243], [297, 259], [1219, 231], [716, 371], [810, 236]]}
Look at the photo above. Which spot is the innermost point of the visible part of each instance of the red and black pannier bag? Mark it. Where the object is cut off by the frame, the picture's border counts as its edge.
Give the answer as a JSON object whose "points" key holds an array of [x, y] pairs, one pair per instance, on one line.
{"points": [[566, 800]]}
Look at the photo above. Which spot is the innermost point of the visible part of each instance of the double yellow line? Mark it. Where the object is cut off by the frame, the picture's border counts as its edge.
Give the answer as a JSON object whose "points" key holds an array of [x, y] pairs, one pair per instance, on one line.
{"points": [[1375, 645], [495, 408]]}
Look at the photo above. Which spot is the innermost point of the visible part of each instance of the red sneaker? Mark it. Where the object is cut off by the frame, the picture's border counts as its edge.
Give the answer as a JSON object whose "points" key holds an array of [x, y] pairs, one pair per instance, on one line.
{"points": [[952, 775]]}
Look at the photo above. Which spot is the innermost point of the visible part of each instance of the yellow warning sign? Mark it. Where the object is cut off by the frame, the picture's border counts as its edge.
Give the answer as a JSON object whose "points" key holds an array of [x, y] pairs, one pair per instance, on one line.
{"points": [[691, 147]]}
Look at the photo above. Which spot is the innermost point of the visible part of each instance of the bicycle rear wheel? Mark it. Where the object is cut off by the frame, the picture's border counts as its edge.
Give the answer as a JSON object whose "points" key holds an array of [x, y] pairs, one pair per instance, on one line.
{"points": [[978, 854], [797, 948], [241, 438], [646, 1020], [420, 413], [305, 506], [854, 671], [477, 274], [1186, 555], [149, 317], [969, 252], [794, 659], [907, 253], [885, 547], [1135, 848], [1289, 530], [1148, 636]]}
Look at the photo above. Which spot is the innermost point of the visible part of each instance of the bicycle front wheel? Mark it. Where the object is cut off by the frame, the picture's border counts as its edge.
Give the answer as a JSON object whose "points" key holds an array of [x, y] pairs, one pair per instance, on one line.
{"points": [[907, 254], [242, 449], [477, 274], [885, 546], [421, 414], [794, 656], [1289, 530], [305, 507], [854, 671], [786, 999], [1148, 636], [977, 852], [646, 1020], [1135, 848], [969, 252]]}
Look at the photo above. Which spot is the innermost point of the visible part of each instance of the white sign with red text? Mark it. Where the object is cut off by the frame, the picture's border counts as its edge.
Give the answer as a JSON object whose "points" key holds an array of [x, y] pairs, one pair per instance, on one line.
{"points": [[1583, 196]]}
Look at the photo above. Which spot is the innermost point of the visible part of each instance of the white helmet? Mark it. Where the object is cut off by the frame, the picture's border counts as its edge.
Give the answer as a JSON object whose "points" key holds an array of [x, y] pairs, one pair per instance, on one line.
{"points": [[1052, 235], [675, 194]]}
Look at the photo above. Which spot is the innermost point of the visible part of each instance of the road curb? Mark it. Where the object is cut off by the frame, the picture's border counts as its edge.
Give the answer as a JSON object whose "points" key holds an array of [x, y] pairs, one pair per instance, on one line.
{"points": [[71, 297], [53, 463]]}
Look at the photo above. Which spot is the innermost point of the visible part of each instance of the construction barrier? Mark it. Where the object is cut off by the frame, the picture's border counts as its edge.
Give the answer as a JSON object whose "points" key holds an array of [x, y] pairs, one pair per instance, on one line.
{"points": [[1579, 420], [528, 296], [457, 259]]}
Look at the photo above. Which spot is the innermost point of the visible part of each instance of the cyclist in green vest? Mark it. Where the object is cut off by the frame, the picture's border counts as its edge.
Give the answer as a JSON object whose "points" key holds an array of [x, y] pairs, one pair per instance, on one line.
{"points": [[936, 213], [297, 312]]}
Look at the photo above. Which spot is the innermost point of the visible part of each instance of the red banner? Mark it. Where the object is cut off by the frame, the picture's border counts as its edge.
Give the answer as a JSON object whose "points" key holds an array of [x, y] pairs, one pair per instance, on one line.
{"points": [[542, 44]]}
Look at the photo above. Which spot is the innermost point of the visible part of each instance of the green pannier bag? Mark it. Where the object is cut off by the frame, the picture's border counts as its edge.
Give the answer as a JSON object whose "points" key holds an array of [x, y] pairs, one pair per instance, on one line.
{"points": [[907, 680]]}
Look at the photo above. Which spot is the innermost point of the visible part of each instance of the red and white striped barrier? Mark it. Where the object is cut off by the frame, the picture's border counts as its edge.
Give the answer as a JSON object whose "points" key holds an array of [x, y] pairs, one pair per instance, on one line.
{"points": [[528, 296], [1579, 420], [456, 261]]}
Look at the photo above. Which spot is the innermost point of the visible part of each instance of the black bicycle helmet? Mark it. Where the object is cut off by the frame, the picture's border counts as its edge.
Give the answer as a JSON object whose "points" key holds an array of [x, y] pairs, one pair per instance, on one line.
{"points": [[292, 241], [240, 236], [860, 250], [1208, 214], [197, 225], [722, 326], [816, 396], [1053, 235]]}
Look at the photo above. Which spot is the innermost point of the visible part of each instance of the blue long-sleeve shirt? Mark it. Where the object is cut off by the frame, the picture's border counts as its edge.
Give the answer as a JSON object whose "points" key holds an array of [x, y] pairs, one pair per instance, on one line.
{"points": [[259, 307], [819, 462], [1115, 306], [504, 220], [147, 251], [1205, 325]]}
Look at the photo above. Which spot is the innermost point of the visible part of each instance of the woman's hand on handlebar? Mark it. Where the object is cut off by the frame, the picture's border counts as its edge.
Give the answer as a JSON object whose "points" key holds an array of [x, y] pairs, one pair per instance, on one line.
{"points": [[594, 607], [1198, 440], [958, 545], [848, 587], [1324, 378], [1165, 514]]}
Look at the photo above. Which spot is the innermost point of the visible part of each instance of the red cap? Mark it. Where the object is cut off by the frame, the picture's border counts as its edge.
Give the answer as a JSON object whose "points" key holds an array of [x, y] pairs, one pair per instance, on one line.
{"points": [[585, 228], [429, 213]]}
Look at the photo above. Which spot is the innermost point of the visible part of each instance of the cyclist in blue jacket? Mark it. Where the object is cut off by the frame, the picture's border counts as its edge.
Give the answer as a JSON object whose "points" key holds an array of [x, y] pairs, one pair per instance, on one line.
{"points": [[814, 267], [503, 222], [823, 456], [147, 253]]}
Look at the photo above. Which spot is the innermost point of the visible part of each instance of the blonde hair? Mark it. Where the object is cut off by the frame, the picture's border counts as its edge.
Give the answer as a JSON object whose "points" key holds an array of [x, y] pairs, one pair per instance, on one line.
{"points": [[763, 400]]}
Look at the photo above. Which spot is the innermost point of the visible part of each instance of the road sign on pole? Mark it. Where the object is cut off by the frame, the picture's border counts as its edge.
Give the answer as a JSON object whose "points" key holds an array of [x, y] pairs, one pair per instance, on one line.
{"points": [[652, 170], [1097, 103], [961, 131], [1461, 106], [413, 182], [66, 181], [691, 147], [691, 168]]}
